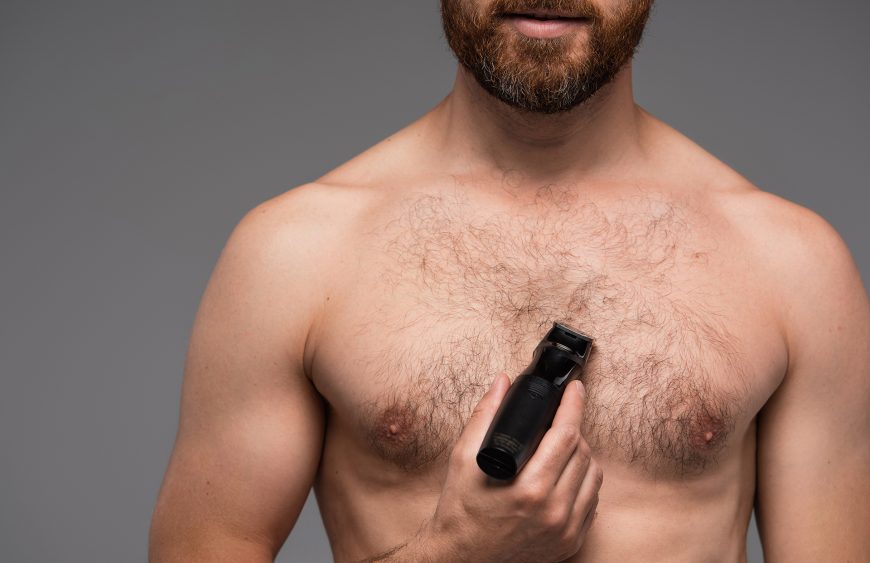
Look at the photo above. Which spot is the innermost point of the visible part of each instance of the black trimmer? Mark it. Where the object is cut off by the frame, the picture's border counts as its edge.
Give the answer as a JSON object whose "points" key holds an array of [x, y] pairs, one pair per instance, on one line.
{"points": [[529, 406]]}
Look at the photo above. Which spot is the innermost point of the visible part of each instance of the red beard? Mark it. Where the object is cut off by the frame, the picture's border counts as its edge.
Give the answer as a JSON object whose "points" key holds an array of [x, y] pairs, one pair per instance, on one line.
{"points": [[543, 75]]}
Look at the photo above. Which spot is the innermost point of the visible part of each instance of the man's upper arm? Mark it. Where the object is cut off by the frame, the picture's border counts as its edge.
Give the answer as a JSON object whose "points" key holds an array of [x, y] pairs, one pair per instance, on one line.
{"points": [[251, 425], [813, 495]]}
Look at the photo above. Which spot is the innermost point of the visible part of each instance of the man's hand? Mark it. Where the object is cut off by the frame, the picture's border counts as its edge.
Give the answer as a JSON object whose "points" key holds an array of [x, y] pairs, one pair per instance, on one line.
{"points": [[542, 515]]}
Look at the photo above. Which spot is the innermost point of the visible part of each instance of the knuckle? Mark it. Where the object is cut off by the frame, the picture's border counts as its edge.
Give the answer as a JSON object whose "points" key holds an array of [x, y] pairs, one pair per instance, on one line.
{"points": [[584, 454], [555, 518], [456, 460], [532, 495], [459, 457], [569, 435], [568, 539], [478, 410]]}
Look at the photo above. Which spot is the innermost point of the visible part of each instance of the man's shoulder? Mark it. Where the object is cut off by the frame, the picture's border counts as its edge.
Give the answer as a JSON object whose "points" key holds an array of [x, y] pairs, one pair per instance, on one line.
{"points": [[772, 227], [322, 220], [312, 221], [782, 231], [800, 257], [313, 203], [765, 220]]}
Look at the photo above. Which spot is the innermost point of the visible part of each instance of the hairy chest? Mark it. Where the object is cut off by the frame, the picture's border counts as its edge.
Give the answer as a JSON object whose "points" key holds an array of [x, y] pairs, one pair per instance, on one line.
{"points": [[442, 299]]}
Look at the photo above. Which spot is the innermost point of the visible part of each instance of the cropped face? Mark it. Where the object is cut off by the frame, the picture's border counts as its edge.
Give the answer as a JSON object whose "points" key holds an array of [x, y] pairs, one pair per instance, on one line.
{"points": [[544, 56]]}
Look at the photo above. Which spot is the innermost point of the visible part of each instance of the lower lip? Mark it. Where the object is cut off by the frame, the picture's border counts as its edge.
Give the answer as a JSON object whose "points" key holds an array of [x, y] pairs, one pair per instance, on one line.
{"points": [[546, 29]]}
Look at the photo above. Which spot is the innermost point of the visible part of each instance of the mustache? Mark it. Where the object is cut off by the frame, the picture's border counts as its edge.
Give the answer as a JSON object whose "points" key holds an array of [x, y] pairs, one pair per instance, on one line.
{"points": [[574, 8]]}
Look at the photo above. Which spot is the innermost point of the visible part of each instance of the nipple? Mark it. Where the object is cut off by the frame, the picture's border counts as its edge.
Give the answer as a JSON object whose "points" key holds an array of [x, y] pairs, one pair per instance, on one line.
{"points": [[395, 424], [398, 435], [708, 432]]}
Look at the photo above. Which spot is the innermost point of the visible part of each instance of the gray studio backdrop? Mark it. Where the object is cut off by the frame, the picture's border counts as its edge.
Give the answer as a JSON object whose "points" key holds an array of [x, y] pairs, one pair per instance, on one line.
{"points": [[134, 135]]}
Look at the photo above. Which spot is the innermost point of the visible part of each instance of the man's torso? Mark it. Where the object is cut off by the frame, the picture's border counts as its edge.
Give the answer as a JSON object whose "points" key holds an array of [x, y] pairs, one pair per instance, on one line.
{"points": [[440, 286]]}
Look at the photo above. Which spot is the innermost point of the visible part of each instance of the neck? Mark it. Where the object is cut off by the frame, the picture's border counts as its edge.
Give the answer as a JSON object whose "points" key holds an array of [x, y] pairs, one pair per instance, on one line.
{"points": [[481, 134]]}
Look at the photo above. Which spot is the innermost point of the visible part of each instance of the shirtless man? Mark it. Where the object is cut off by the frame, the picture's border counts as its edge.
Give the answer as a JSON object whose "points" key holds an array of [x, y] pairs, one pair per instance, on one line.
{"points": [[352, 328]]}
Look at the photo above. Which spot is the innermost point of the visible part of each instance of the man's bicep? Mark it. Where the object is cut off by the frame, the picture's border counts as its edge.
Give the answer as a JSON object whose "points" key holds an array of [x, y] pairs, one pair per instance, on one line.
{"points": [[251, 426], [244, 481], [813, 495], [812, 488]]}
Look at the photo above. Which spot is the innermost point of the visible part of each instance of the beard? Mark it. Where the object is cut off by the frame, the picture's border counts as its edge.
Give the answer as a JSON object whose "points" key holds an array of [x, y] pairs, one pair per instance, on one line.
{"points": [[542, 75]]}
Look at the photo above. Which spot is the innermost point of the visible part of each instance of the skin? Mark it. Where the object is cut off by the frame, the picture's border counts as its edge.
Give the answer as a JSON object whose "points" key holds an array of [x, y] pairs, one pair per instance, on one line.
{"points": [[358, 333]]}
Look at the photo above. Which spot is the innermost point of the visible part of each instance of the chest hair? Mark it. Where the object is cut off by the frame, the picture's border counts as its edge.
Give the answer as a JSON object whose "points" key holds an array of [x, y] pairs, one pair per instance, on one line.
{"points": [[665, 382]]}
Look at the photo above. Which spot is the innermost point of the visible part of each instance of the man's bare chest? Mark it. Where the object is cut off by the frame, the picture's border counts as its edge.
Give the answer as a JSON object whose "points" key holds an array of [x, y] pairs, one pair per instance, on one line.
{"points": [[438, 300]]}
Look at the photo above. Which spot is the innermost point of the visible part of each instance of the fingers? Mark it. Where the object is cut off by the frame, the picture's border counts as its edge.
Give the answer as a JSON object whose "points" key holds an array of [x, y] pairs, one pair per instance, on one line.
{"points": [[569, 482], [477, 425], [586, 502], [572, 409], [560, 441]]}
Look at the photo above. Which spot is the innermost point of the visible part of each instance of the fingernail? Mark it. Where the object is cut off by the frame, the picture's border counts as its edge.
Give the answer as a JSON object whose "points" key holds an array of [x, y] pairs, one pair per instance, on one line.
{"points": [[579, 386]]}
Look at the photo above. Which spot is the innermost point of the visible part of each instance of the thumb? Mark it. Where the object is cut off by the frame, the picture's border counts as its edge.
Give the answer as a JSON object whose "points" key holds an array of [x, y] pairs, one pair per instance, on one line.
{"points": [[478, 423]]}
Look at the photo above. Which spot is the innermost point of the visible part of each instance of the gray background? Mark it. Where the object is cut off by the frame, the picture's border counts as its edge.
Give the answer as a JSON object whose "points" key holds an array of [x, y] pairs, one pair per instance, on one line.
{"points": [[133, 136]]}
